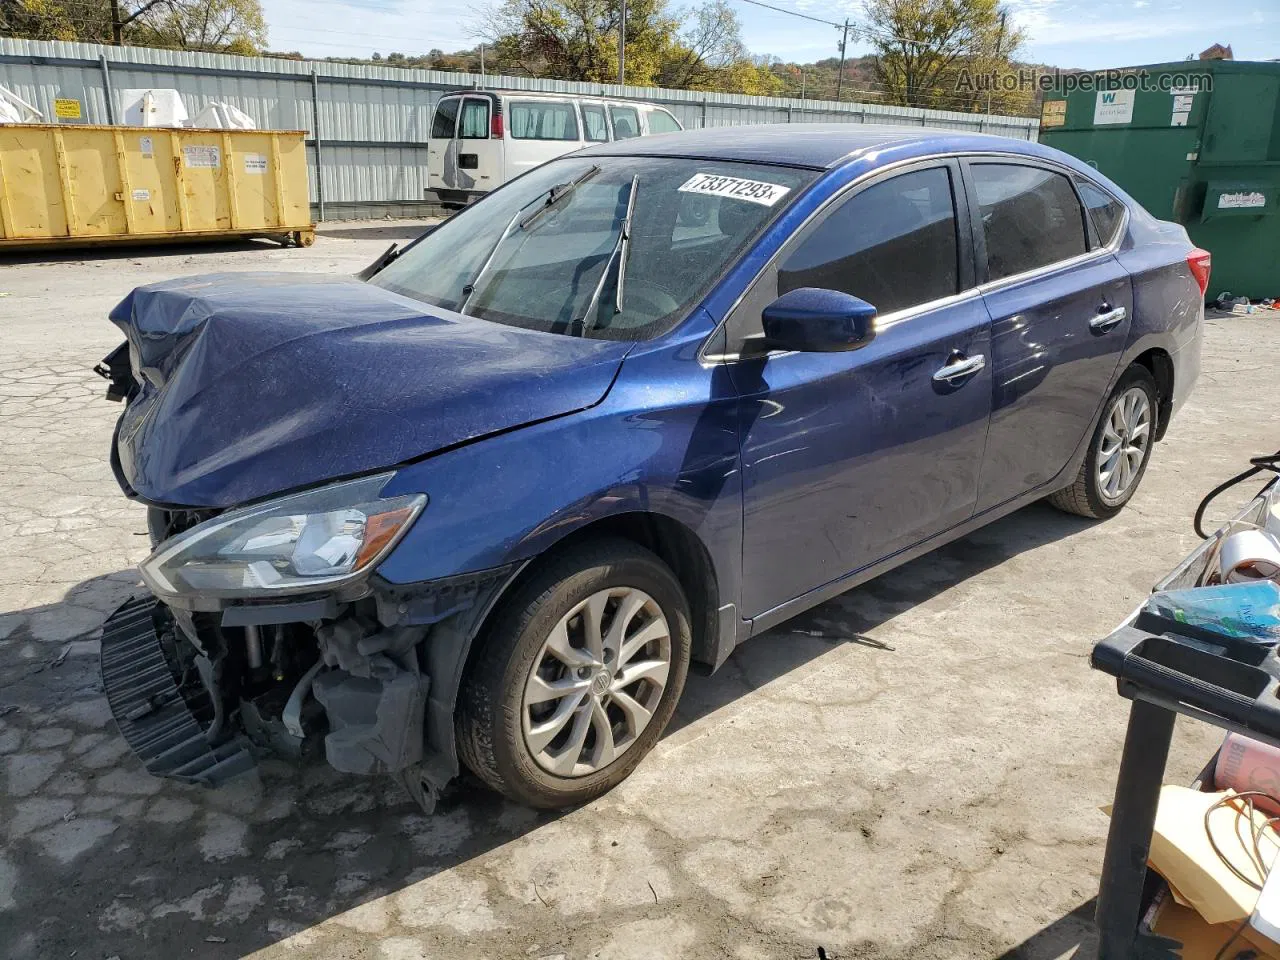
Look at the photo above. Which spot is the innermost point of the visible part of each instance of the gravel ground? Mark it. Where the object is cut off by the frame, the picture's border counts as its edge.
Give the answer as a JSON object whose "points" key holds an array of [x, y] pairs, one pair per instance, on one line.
{"points": [[913, 770]]}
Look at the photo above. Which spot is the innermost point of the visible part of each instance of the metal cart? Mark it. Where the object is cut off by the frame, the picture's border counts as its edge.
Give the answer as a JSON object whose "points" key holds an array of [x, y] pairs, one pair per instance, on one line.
{"points": [[1166, 668]]}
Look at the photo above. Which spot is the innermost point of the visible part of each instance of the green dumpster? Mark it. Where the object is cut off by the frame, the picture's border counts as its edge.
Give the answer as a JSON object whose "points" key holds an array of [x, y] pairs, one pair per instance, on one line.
{"points": [[1195, 142]]}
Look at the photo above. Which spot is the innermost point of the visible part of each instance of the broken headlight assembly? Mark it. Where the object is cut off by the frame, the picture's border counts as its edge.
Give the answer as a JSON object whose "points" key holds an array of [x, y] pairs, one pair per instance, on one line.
{"points": [[296, 544]]}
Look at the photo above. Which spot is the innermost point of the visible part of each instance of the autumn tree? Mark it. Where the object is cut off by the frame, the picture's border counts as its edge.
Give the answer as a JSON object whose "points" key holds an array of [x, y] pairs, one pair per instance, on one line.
{"points": [[229, 26], [234, 26], [578, 40], [925, 50]]}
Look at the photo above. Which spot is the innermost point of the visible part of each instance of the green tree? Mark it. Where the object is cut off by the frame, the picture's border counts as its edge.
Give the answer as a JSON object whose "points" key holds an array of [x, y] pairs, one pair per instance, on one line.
{"points": [[233, 26], [230, 26], [925, 50]]}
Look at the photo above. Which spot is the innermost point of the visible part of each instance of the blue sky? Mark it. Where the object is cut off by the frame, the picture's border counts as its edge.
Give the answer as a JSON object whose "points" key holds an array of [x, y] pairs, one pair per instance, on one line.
{"points": [[1067, 33]]}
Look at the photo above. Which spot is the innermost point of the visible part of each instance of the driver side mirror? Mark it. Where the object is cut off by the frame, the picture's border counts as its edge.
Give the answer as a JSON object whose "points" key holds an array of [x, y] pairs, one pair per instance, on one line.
{"points": [[814, 320]]}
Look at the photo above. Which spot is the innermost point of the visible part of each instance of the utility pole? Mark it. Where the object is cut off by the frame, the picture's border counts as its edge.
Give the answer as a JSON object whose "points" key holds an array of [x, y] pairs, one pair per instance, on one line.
{"points": [[482, 63], [622, 45], [844, 42], [801, 84], [996, 65]]}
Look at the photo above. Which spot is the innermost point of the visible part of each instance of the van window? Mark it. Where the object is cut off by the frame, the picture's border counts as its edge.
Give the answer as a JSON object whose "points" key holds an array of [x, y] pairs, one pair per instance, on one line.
{"points": [[543, 120], [475, 120], [662, 122], [594, 123], [446, 116], [626, 122]]}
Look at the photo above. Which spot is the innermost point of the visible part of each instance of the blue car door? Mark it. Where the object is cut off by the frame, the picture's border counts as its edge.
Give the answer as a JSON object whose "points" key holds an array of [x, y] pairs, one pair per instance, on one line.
{"points": [[1060, 305], [851, 457]]}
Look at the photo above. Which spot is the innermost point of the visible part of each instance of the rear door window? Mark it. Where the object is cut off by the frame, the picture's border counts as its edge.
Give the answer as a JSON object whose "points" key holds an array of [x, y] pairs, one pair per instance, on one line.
{"points": [[893, 244], [662, 122], [594, 124], [474, 124], [1030, 217], [442, 126], [1107, 212], [543, 120], [626, 122]]}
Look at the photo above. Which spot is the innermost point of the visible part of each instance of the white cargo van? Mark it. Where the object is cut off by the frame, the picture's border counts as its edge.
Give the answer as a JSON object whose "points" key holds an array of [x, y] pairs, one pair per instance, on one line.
{"points": [[480, 139]]}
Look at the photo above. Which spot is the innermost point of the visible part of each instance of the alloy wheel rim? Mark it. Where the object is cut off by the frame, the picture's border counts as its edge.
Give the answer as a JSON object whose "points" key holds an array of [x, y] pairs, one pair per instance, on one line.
{"points": [[596, 682], [1126, 434]]}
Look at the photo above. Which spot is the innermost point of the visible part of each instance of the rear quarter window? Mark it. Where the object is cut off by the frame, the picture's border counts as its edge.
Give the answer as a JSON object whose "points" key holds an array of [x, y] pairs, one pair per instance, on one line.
{"points": [[662, 122], [1106, 211], [538, 120]]}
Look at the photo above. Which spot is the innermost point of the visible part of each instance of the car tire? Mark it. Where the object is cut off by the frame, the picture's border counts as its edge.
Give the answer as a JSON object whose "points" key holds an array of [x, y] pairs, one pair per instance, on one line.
{"points": [[538, 644], [1119, 449]]}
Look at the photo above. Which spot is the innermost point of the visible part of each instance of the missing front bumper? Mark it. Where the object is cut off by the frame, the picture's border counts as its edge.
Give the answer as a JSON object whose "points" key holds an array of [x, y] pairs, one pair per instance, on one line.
{"points": [[157, 718]]}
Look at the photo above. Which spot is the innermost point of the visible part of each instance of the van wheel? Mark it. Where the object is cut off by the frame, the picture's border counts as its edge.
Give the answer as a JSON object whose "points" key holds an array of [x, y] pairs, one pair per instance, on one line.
{"points": [[577, 675], [1118, 452]]}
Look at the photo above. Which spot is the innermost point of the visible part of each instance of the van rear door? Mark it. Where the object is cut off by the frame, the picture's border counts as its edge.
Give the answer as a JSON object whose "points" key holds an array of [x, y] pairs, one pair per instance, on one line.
{"points": [[440, 145], [479, 152]]}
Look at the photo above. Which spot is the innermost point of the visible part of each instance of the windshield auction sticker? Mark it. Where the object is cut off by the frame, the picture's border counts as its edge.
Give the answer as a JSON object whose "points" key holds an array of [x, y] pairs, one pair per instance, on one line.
{"points": [[753, 191]]}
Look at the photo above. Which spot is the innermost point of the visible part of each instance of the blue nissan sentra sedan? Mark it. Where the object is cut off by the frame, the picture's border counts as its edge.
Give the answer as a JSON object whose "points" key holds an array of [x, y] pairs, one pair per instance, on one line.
{"points": [[486, 503]]}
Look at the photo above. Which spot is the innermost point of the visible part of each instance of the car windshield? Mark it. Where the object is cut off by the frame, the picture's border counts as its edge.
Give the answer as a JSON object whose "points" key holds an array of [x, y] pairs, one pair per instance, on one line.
{"points": [[515, 258]]}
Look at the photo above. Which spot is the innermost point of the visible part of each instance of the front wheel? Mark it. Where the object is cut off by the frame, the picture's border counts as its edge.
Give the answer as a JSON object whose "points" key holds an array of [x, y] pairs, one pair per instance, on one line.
{"points": [[1118, 452], [577, 675]]}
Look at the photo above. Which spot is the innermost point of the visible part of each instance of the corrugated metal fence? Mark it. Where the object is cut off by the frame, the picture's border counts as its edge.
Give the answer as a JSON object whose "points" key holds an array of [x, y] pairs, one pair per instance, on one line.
{"points": [[373, 121]]}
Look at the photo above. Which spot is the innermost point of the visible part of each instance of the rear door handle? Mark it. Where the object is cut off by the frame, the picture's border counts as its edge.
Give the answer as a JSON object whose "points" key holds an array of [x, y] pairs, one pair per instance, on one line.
{"points": [[1105, 321], [960, 367]]}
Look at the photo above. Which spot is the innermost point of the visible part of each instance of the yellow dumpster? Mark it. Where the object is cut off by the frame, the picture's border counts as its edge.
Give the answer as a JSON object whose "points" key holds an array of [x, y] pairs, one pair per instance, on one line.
{"points": [[91, 184]]}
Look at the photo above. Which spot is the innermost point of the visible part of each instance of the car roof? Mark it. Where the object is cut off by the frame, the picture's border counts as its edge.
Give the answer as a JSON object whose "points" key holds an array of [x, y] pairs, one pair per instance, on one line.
{"points": [[818, 146], [550, 95]]}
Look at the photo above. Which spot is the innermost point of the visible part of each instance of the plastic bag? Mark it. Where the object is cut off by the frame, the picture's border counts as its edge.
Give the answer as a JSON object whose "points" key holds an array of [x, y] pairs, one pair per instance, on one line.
{"points": [[1250, 611]]}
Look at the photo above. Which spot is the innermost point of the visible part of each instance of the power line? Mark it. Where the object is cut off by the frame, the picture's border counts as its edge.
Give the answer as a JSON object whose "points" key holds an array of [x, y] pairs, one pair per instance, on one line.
{"points": [[793, 13]]}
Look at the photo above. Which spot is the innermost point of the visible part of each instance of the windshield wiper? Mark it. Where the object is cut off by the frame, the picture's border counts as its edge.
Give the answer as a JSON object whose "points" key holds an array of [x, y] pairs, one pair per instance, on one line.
{"points": [[471, 287], [621, 250], [558, 193]]}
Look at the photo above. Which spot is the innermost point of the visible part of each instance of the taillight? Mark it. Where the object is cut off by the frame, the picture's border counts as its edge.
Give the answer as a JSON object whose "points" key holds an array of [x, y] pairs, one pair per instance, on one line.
{"points": [[495, 126], [1200, 262]]}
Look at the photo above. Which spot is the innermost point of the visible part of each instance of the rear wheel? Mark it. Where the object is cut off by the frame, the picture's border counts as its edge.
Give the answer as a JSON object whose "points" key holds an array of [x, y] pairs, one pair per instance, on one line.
{"points": [[1118, 452], [577, 676]]}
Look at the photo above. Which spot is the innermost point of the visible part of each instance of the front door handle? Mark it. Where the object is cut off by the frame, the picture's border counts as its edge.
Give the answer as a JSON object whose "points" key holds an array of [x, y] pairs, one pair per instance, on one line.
{"points": [[959, 367], [1105, 321]]}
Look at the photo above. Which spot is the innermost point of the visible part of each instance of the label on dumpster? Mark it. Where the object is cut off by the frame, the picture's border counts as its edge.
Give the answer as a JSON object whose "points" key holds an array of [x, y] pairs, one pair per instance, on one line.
{"points": [[1053, 113], [142, 195], [1241, 201], [147, 147], [1113, 106], [66, 109], [255, 163], [202, 157], [1182, 102]]}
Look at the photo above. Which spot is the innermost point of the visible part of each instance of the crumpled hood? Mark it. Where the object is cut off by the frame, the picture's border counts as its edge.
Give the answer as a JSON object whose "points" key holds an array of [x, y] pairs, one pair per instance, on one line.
{"points": [[256, 383]]}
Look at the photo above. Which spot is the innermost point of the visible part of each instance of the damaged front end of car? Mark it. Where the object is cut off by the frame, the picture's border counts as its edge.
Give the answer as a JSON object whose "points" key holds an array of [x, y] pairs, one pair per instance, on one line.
{"points": [[264, 416], [268, 632]]}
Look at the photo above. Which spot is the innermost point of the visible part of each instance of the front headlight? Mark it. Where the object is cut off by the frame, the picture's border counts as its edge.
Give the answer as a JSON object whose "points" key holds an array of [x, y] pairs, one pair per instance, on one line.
{"points": [[292, 545]]}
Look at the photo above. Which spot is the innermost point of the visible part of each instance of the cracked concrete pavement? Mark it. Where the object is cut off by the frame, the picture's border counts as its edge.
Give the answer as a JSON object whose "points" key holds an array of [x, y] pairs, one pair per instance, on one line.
{"points": [[913, 770]]}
